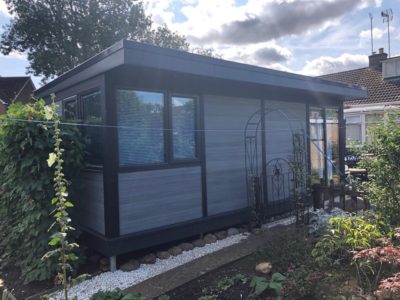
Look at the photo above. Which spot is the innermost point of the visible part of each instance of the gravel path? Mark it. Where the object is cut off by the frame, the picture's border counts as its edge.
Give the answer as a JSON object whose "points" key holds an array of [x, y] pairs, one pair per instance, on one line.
{"points": [[109, 281]]}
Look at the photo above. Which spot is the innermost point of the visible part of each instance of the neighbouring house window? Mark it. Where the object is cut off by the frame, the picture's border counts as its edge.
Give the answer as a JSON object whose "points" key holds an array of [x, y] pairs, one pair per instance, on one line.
{"points": [[371, 121], [183, 127], [92, 118], [317, 144], [70, 109], [141, 127], [353, 129], [332, 144]]}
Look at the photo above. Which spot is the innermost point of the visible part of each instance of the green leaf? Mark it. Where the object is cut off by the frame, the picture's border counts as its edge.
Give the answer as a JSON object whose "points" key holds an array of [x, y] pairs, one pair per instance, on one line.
{"points": [[278, 277], [68, 204]]}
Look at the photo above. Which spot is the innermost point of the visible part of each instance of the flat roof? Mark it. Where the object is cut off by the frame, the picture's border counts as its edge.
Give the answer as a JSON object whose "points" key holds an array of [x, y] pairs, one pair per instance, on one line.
{"points": [[126, 52]]}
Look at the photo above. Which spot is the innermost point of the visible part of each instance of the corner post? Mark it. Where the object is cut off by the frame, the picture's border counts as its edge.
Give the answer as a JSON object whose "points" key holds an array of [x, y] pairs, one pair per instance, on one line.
{"points": [[110, 170]]}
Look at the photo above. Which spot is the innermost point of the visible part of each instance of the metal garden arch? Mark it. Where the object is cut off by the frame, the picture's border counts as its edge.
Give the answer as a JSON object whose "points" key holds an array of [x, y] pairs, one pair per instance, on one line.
{"points": [[279, 185]]}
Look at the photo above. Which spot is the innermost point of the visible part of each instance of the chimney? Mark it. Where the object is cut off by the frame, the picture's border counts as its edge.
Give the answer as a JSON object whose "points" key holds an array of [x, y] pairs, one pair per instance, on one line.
{"points": [[375, 60]]}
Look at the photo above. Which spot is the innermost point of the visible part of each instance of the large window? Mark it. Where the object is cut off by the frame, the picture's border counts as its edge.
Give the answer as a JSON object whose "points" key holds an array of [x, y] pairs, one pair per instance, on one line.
{"points": [[324, 144], [371, 121], [87, 109], [70, 110], [183, 127], [92, 117], [353, 129], [154, 129], [141, 127]]}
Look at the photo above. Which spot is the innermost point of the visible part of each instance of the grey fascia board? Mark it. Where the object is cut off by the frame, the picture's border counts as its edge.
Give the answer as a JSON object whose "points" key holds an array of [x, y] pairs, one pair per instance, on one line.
{"points": [[178, 61], [110, 58], [139, 54]]}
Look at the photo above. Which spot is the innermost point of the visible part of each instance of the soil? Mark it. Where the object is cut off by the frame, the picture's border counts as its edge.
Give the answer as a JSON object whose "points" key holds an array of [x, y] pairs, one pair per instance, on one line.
{"points": [[195, 289], [13, 281], [283, 253]]}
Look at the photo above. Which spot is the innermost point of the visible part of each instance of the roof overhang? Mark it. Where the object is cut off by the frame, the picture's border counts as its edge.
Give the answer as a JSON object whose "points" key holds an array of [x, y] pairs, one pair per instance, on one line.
{"points": [[137, 54]]}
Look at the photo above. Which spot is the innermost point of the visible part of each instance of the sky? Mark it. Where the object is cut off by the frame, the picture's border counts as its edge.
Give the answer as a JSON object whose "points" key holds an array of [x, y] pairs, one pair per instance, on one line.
{"points": [[310, 37]]}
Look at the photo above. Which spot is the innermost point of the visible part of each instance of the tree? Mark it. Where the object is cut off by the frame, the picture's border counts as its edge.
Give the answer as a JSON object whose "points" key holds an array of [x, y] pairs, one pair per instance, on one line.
{"points": [[57, 35]]}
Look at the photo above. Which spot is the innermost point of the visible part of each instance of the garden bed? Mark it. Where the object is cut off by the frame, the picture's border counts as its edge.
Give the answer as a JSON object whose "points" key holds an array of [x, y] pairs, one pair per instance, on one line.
{"points": [[289, 252]]}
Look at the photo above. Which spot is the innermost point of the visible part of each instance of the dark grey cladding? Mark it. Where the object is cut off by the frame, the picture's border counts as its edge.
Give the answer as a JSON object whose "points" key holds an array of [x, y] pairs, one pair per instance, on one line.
{"points": [[280, 19]]}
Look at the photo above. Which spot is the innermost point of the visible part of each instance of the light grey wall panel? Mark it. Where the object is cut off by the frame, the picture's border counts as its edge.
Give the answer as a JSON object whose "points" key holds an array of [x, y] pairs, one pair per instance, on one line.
{"points": [[151, 199], [285, 120], [225, 119], [89, 202], [278, 130]]}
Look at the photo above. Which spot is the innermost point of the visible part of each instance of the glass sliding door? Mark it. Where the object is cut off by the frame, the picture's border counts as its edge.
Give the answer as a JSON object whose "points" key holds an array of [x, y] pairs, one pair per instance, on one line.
{"points": [[317, 144], [324, 144], [332, 144]]}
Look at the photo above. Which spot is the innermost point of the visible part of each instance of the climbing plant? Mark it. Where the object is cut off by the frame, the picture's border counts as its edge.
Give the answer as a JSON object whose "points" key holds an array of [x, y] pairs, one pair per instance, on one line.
{"points": [[26, 190], [62, 224]]}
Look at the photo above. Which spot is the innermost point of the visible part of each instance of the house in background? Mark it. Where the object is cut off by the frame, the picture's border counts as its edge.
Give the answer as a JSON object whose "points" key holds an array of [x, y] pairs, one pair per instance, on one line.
{"points": [[382, 80], [15, 89], [178, 139]]}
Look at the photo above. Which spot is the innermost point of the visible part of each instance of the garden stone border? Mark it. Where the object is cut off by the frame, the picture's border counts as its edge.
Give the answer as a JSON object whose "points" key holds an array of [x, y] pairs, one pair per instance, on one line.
{"points": [[110, 280]]}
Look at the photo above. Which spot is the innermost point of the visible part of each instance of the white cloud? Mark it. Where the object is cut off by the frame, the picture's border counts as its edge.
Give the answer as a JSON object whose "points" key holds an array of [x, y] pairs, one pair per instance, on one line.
{"points": [[377, 33], [159, 10], [3, 9], [15, 55], [329, 64], [210, 21]]}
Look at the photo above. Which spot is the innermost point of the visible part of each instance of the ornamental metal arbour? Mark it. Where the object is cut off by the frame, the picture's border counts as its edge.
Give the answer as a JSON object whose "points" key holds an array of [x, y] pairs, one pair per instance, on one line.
{"points": [[279, 185]]}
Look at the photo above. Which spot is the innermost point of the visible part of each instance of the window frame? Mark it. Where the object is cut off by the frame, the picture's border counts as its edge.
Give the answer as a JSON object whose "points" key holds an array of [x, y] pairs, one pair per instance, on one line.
{"points": [[196, 123], [67, 100], [323, 109], [169, 161], [80, 116], [165, 122]]}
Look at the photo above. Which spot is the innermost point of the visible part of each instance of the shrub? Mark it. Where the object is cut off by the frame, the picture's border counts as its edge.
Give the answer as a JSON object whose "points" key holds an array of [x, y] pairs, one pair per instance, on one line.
{"points": [[116, 294], [383, 165], [343, 236], [372, 263], [300, 283], [27, 186]]}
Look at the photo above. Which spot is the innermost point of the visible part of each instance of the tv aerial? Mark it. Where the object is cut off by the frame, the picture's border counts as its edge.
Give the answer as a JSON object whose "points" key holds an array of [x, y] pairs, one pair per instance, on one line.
{"points": [[387, 16]]}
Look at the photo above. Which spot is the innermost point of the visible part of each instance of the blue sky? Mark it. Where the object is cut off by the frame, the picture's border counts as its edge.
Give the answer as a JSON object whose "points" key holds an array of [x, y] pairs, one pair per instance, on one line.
{"points": [[310, 37]]}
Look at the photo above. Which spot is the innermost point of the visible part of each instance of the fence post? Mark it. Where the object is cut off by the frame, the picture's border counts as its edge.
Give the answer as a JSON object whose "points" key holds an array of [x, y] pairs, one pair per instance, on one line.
{"points": [[343, 195], [317, 196], [331, 194], [353, 200]]}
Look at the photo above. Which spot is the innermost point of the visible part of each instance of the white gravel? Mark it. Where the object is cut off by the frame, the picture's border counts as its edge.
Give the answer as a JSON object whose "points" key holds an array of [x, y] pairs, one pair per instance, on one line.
{"points": [[112, 280]]}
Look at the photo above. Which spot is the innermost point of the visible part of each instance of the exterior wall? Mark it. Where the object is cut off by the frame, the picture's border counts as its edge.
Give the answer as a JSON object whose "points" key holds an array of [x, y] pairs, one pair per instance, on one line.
{"points": [[89, 202], [225, 119], [151, 199], [278, 130]]}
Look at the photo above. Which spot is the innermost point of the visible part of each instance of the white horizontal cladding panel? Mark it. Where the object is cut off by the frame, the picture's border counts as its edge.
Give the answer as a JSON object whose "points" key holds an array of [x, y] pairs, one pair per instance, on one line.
{"points": [[156, 198], [225, 119], [89, 204], [285, 119]]}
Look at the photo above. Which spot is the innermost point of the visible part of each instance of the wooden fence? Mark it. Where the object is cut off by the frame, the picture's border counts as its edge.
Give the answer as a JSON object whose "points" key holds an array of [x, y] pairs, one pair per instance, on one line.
{"points": [[340, 195]]}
